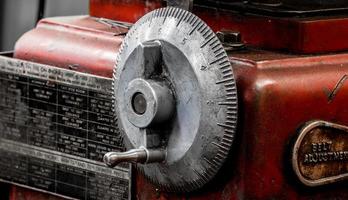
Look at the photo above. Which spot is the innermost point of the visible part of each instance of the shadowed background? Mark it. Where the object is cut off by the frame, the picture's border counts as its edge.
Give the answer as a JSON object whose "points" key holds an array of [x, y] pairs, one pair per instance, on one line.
{"points": [[19, 16]]}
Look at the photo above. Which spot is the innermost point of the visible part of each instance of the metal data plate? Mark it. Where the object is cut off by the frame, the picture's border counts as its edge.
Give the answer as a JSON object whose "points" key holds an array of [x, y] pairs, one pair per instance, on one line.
{"points": [[320, 154], [55, 127]]}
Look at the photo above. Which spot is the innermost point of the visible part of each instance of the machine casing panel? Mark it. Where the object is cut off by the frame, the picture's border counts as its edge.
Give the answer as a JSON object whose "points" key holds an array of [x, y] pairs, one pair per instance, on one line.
{"points": [[278, 92]]}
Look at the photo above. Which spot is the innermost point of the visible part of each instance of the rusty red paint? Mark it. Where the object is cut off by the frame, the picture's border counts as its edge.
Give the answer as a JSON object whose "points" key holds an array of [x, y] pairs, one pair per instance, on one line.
{"points": [[19, 193], [278, 92], [298, 35], [81, 43], [122, 10], [277, 96]]}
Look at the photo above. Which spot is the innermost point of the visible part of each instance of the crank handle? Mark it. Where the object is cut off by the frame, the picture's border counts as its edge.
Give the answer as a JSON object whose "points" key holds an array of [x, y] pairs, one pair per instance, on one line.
{"points": [[141, 155]]}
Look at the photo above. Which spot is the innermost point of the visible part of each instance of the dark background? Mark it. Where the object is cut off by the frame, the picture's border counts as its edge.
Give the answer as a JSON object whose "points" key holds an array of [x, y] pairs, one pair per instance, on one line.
{"points": [[19, 16]]}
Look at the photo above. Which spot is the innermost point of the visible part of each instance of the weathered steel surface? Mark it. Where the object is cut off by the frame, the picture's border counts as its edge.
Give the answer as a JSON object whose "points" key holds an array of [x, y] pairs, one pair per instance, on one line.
{"points": [[192, 65], [55, 127]]}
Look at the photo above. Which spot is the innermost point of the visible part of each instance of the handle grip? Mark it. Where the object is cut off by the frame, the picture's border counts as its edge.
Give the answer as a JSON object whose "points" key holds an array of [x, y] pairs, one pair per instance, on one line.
{"points": [[142, 155]]}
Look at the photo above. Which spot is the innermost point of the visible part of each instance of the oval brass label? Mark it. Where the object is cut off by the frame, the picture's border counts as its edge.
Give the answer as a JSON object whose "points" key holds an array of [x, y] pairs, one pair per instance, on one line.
{"points": [[320, 154]]}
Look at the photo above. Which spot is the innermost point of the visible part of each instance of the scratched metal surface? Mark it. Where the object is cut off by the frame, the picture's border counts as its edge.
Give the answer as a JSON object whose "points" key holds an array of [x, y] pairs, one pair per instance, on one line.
{"points": [[55, 126]]}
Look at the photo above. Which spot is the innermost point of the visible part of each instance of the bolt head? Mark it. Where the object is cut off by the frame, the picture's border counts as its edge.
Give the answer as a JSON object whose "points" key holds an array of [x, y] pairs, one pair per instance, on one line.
{"points": [[227, 36]]}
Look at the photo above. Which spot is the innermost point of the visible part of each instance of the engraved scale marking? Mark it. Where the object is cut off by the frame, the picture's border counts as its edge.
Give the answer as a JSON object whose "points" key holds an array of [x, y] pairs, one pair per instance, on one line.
{"points": [[228, 83], [226, 126], [207, 41], [227, 80], [216, 46], [217, 60], [226, 103], [220, 146], [227, 74], [216, 51], [227, 71], [181, 17], [195, 25], [208, 161]]}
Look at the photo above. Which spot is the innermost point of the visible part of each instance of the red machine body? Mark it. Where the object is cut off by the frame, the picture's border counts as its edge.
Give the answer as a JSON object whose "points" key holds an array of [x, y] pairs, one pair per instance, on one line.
{"points": [[278, 90]]}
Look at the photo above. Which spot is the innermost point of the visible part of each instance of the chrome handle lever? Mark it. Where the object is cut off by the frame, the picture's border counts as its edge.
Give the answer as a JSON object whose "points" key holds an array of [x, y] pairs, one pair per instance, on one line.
{"points": [[142, 155]]}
